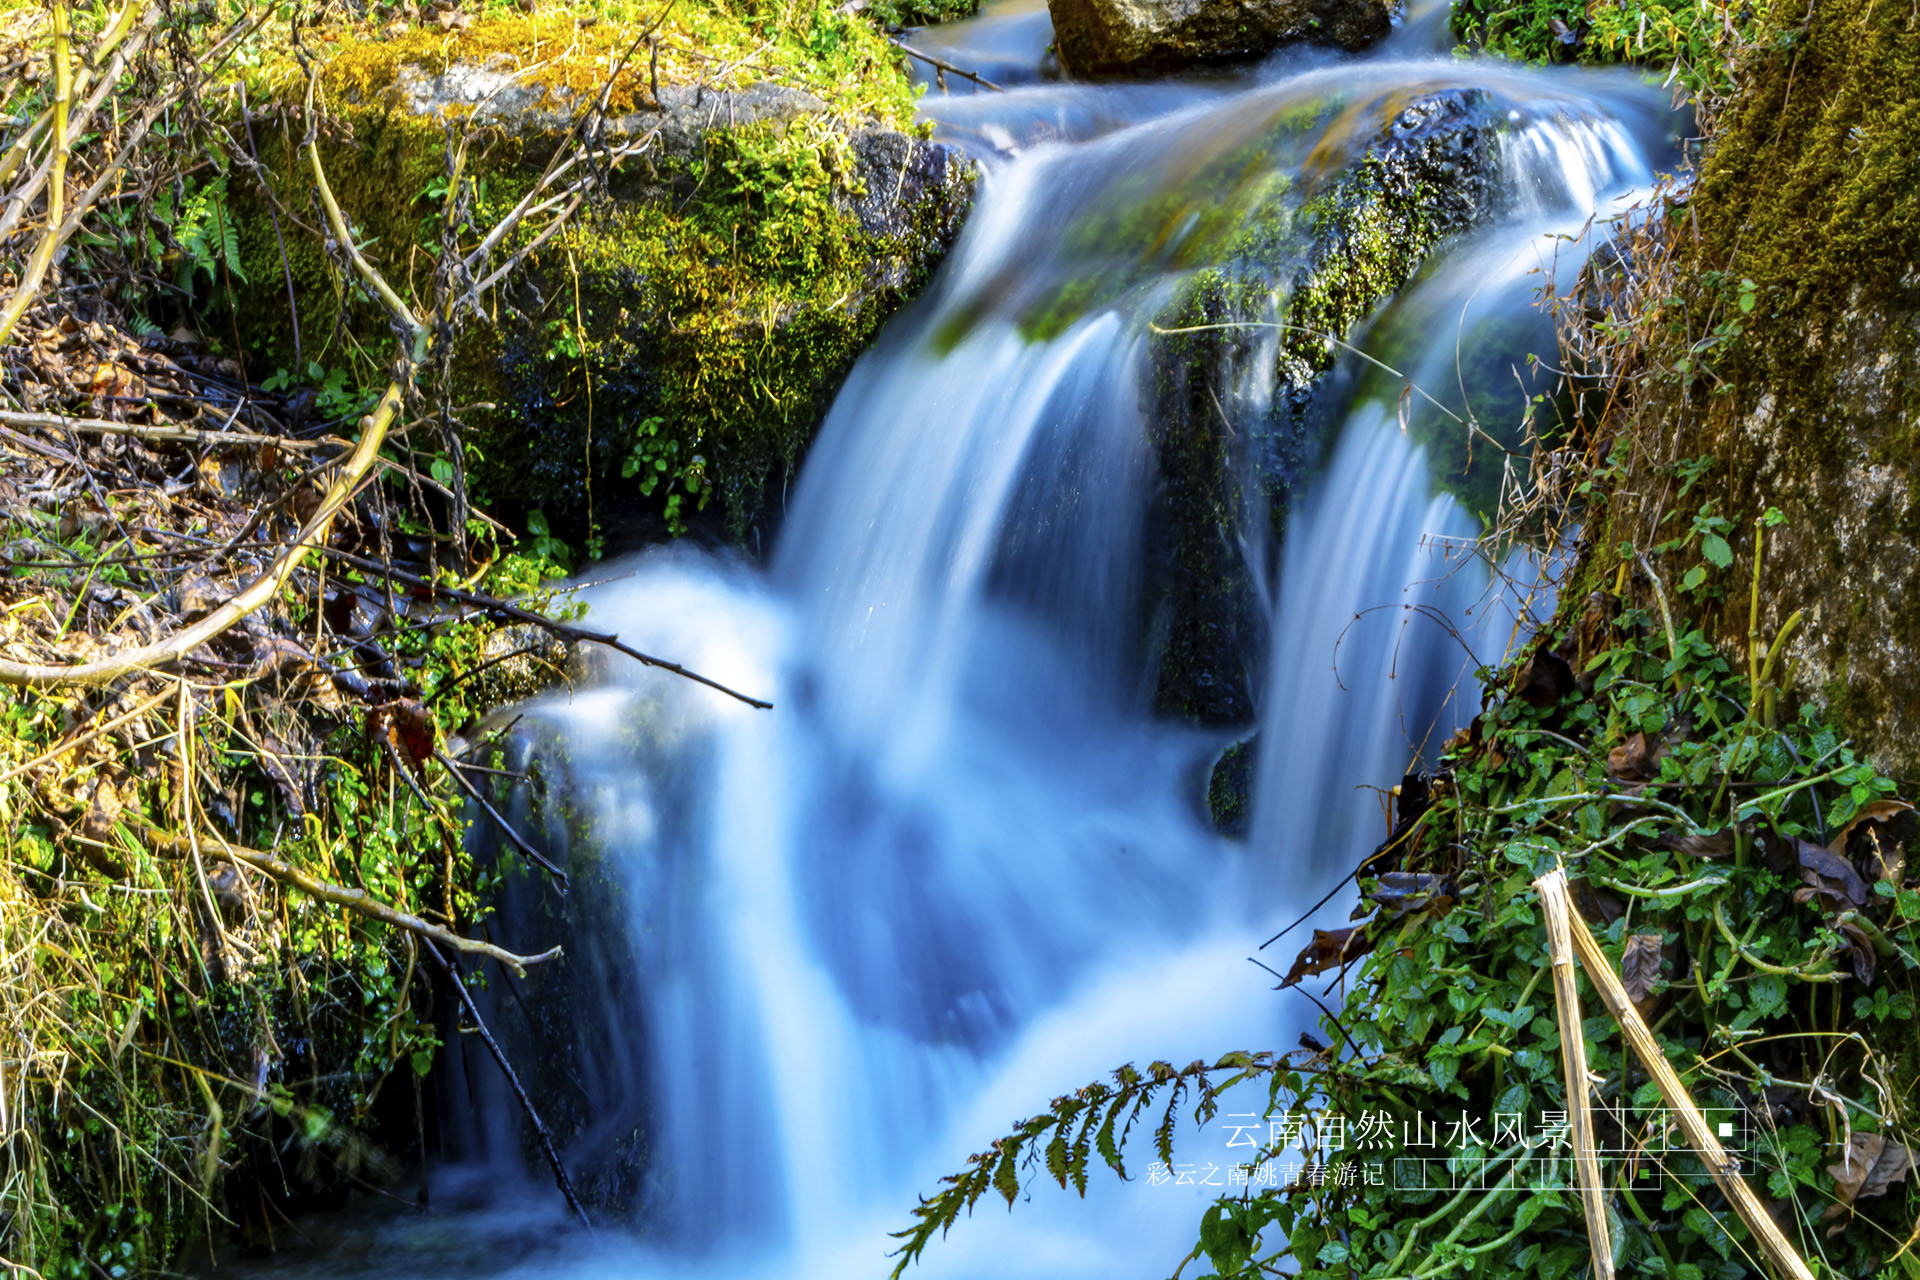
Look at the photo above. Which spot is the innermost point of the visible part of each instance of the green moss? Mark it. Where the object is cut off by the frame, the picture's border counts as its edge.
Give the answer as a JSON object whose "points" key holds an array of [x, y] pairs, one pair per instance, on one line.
{"points": [[1310, 261], [677, 343], [1230, 789]]}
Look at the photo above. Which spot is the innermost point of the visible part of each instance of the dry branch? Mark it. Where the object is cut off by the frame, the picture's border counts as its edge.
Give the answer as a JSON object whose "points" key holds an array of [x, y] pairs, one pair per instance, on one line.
{"points": [[1724, 1167], [354, 899], [162, 432]]}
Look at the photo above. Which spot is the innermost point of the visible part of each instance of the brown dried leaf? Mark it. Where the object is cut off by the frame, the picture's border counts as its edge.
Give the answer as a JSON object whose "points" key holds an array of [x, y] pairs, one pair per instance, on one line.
{"points": [[1640, 964], [1329, 949], [1860, 953], [1873, 1163], [1545, 679], [1828, 875], [104, 804], [1877, 838], [1637, 759]]}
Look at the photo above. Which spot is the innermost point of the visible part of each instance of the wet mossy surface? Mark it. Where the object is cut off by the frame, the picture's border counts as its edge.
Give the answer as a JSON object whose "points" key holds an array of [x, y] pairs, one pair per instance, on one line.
{"points": [[1230, 788], [1783, 370], [1246, 384]]}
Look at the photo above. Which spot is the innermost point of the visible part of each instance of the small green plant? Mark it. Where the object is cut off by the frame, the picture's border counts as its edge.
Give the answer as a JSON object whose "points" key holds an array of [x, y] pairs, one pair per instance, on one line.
{"points": [[655, 459]]}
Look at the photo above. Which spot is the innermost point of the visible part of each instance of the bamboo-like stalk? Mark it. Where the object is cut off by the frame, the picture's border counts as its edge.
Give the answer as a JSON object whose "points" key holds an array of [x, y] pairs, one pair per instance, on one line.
{"points": [[1552, 888], [1724, 1167]]}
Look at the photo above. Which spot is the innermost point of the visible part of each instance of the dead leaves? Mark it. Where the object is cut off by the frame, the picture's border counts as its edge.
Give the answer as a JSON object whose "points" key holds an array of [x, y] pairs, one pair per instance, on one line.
{"points": [[407, 729], [1330, 949], [1637, 759], [1640, 964], [1827, 876], [1872, 1164]]}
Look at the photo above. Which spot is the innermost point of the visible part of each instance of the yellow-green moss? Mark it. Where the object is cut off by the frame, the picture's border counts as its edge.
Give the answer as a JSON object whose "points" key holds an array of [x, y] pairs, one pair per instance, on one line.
{"points": [[571, 52]]}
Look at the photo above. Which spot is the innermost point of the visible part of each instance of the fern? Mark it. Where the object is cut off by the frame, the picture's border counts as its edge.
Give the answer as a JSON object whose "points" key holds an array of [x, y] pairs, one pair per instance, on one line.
{"points": [[1075, 1128]]}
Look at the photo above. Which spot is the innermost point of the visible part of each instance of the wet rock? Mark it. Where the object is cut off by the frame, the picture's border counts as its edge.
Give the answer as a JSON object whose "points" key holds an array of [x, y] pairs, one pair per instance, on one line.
{"points": [[1230, 788], [1119, 37], [1238, 409]]}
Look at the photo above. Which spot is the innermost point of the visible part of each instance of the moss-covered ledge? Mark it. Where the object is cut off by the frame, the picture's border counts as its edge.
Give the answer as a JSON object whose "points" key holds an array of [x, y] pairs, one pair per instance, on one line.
{"points": [[677, 342]]}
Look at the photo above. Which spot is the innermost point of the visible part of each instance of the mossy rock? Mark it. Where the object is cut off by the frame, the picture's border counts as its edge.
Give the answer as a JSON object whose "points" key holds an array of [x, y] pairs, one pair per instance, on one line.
{"points": [[676, 342], [1301, 269], [1783, 371], [1230, 788]]}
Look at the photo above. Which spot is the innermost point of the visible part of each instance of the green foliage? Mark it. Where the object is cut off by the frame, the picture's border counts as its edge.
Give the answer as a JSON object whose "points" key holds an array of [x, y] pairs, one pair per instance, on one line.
{"points": [[1690, 38], [919, 13], [158, 1047]]}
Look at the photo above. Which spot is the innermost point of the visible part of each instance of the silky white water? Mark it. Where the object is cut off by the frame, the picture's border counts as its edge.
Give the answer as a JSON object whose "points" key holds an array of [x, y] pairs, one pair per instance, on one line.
{"points": [[960, 868]]}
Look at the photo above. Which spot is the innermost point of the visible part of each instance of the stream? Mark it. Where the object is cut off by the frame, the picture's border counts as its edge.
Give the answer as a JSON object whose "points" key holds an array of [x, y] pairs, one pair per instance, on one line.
{"points": [[961, 868]]}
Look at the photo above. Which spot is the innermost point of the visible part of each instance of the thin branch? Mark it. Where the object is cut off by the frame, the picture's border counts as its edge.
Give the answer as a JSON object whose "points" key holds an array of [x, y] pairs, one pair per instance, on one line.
{"points": [[506, 1069], [940, 64], [161, 432], [519, 842], [565, 630], [354, 900]]}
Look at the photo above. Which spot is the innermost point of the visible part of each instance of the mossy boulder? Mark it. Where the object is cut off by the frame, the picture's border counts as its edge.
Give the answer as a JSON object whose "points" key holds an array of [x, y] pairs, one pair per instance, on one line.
{"points": [[1121, 37], [1782, 371], [1245, 372], [678, 340]]}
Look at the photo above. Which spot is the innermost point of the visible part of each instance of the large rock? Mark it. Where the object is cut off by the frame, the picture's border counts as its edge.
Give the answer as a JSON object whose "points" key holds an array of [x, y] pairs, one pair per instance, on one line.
{"points": [[1117, 37], [1227, 459]]}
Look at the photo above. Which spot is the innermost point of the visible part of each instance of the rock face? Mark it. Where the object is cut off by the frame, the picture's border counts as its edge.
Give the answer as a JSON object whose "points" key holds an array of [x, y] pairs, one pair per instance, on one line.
{"points": [[1784, 375], [1120, 37]]}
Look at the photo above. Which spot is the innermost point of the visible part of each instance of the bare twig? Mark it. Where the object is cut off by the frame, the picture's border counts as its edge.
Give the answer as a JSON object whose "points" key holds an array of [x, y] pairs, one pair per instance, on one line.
{"points": [[519, 842], [942, 65], [506, 1069]]}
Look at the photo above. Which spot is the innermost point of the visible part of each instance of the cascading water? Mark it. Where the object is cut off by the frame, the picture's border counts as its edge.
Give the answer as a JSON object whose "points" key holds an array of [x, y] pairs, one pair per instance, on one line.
{"points": [[960, 868]]}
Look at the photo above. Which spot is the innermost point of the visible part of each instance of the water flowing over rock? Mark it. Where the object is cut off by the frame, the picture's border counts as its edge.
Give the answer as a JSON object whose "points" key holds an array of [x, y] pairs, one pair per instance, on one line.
{"points": [[1117, 37], [965, 853]]}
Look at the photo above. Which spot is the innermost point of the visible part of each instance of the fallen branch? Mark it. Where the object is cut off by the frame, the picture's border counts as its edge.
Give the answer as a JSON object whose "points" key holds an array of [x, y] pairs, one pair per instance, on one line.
{"points": [[373, 430], [163, 432], [940, 64], [526, 1104], [353, 899], [526, 850], [1724, 1167], [565, 630]]}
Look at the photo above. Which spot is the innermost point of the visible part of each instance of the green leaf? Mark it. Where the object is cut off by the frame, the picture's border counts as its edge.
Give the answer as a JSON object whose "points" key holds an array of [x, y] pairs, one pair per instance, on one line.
{"points": [[1715, 548]]}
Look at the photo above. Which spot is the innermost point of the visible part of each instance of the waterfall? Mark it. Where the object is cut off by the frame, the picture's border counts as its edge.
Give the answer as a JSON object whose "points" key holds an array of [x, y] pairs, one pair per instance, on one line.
{"points": [[960, 868]]}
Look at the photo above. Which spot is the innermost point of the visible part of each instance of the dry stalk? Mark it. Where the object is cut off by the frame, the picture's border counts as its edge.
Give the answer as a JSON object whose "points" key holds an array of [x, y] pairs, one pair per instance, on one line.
{"points": [[1724, 1167]]}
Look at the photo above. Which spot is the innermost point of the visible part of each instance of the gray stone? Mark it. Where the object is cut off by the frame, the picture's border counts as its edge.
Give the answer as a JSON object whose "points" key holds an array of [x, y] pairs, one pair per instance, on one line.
{"points": [[1118, 37]]}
